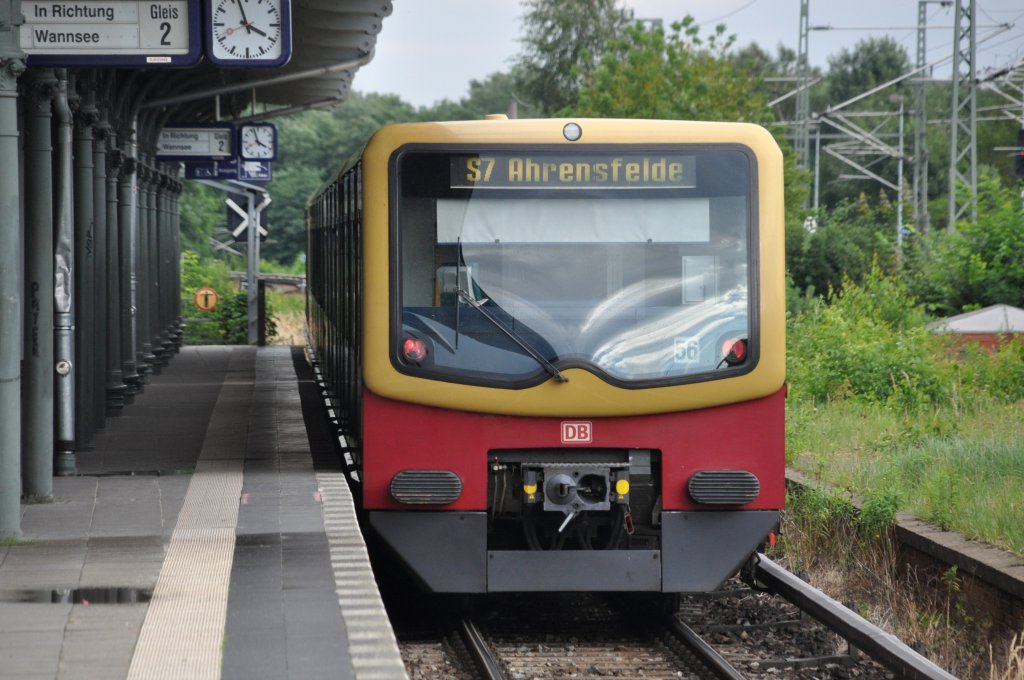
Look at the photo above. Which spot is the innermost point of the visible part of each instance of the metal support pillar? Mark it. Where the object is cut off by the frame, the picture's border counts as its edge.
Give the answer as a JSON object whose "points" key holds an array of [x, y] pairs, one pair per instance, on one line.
{"points": [[169, 291], [920, 189], [159, 339], [160, 290], [179, 326], [11, 67], [253, 267], [144, 356], [899, 183], [133, 380], [38, 89], [99, 298], [84, 268], [116, 387], [152, 267], [802, 142], [817, 165], [63, 285], [963, 149], [166, 267]]}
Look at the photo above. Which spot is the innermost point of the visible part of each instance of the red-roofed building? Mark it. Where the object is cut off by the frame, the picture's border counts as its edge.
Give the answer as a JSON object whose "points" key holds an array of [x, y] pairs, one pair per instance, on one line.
{"points": [[989, 327]]}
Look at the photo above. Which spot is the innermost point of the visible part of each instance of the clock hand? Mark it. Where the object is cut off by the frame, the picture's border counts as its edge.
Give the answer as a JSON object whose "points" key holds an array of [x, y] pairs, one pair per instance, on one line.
{"points": [[245, 21], [250, 26]]}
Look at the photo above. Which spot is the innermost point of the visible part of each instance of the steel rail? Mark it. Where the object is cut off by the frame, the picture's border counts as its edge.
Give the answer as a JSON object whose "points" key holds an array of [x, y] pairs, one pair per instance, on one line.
{"points": [[481, 653], [883, 647], [718, 665]]}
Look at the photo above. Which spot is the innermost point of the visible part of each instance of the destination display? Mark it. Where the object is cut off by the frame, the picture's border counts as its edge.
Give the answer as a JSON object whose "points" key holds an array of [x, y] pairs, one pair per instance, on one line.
{"points": [[574, 171], [111, 33], [200, 142]]}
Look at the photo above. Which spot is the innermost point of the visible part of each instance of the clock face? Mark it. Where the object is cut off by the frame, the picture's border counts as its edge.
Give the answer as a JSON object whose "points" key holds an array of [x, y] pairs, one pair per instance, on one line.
{"points": [[258, 141], [249, 32]]}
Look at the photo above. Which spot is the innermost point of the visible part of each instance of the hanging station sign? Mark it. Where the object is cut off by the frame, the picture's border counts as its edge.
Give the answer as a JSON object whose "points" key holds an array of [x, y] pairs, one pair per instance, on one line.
{"points": [[198, 142], [112, 33], [231, 168]]}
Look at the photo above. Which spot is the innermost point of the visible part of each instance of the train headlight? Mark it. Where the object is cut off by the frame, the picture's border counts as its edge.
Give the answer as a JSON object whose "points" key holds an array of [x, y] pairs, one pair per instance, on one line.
{"points": [[414, 350], [572, 131], [734, 351]]}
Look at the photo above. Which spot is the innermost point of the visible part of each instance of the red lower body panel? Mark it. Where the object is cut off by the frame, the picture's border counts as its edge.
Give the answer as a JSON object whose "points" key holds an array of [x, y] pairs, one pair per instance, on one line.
{"points": [[745, 436]]}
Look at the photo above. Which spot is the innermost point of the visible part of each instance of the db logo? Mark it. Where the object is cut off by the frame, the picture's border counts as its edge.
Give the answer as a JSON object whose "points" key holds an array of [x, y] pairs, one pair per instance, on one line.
{"points": [[577, 433]]}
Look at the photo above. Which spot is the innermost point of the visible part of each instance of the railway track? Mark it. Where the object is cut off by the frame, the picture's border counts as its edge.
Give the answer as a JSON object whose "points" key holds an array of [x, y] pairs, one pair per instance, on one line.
{"points": [[796, 631], [566, 636], [733, 633]]}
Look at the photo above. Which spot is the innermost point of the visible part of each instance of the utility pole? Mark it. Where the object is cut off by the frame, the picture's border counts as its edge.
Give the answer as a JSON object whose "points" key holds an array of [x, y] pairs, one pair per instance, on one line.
{"points": [[899, 182], [803, 93], [963, 149], [920, 188]]}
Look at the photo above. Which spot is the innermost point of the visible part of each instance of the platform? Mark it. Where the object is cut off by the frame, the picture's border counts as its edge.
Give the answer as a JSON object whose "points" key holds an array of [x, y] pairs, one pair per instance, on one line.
{"points": [[209, 534]]}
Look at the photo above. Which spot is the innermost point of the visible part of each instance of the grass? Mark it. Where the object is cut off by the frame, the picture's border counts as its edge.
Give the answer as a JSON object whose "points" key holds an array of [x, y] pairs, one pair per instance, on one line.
{"points": [[960, 466], [962, 469], [1014, 662], [290, 317], [855, 560]]}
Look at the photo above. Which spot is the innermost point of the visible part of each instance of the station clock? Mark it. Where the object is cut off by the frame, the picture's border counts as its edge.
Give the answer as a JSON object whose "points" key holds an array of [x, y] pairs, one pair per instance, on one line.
{"points": [[249, 33], [257, 141]]}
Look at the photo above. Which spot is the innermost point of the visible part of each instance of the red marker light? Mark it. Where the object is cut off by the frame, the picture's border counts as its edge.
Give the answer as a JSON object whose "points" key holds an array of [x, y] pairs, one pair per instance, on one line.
{"points": [[735, 351], [414, 349]]}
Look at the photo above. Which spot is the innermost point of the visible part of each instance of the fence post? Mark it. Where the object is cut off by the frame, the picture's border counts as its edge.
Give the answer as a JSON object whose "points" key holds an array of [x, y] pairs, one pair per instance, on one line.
{"points": [[261, 312]]}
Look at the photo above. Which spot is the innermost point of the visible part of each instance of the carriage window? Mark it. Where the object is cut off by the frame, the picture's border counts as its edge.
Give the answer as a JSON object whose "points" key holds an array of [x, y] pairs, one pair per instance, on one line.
{"points": [[638, 283]]}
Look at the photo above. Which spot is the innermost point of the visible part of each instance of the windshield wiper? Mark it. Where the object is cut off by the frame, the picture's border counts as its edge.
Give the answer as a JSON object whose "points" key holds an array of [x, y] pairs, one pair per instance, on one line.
{"points": [[548, 366]]}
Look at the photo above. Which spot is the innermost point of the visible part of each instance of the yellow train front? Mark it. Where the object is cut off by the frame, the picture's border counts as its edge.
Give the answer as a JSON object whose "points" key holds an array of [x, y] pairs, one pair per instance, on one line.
{"points": [[556, 348]]}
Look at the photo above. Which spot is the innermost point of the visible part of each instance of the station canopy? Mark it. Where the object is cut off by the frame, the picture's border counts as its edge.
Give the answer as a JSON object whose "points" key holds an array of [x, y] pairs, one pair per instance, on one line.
{"points": [[331, 40]]}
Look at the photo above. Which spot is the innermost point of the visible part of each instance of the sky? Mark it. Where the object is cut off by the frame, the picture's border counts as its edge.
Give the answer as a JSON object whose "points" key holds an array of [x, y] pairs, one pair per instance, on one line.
{"points": [[429, 50]]}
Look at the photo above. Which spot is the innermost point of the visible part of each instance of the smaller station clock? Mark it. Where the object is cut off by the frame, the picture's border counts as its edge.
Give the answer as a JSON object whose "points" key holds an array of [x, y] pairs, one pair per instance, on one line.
{"points": [[248, 33], [257, 141]]}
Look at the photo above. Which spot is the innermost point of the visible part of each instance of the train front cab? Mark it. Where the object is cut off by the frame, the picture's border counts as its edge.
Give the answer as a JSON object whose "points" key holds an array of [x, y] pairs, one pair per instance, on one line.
{"points": [[573, 352]]}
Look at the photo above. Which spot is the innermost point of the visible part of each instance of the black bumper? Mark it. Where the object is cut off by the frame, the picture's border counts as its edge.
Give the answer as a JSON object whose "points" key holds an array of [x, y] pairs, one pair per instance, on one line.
{"points": [[447, 551]]}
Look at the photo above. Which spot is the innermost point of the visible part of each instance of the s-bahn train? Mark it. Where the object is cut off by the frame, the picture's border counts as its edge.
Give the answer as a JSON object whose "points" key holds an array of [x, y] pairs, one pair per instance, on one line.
{"points": [[556, 348]]}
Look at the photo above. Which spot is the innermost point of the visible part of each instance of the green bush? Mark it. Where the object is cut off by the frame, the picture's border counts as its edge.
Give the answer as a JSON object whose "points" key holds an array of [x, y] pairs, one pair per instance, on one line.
{"points": [[981, 263], [998, 375], [228, 323], [868, 342], [196, 273]]}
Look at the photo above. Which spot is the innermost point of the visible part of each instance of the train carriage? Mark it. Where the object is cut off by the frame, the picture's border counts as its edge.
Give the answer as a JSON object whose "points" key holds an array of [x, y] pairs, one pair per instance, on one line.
{"points": [[556, 348]]}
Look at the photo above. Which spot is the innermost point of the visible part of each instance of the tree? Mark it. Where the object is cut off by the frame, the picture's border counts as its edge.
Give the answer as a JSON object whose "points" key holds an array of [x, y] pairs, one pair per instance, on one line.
{"points": [[980, 264], [494, 94], [871, 62], [679, 75], [779, 78], [202, 211], [648, 74], [848, 241], [563, 42], [314, 145]]}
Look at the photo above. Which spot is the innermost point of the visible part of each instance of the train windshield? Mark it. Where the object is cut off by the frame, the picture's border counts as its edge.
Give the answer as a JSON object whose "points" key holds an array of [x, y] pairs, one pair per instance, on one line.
{"points": [[512, 266]]}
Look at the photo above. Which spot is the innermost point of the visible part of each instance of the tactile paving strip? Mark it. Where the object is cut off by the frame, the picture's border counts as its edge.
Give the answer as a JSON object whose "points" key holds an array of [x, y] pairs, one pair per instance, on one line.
{"points": [[183, 632], [182, 635]]}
